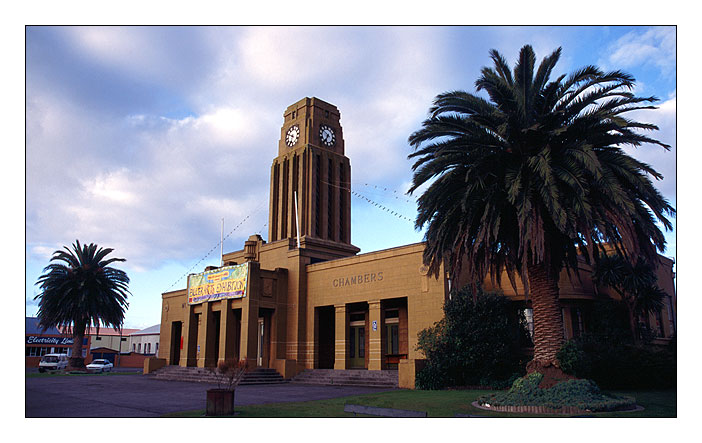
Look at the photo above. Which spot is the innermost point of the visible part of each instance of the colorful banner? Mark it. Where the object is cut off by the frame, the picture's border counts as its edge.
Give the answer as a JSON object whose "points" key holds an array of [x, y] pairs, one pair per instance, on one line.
{"points": [[218, 284]]}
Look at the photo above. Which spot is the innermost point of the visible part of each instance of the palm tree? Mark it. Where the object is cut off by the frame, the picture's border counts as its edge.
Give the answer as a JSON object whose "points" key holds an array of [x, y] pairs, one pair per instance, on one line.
{"points": [[82, 291], [533, 177], [635, 284]]}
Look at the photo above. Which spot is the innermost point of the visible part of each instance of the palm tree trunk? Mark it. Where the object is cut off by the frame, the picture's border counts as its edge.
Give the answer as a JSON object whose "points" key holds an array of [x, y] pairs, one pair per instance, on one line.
{"points": [[76, 360], [548, 321]]}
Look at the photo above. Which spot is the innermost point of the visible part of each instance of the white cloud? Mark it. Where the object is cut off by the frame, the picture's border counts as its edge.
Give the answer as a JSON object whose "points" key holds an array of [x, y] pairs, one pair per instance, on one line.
{"points": [[115, 187], [286, 57], [654, 46], [145, 185], [662, 161]]}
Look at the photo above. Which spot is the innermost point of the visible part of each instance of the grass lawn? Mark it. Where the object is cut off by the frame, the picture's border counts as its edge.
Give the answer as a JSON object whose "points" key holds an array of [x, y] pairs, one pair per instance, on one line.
{"points": [[436, 404]]}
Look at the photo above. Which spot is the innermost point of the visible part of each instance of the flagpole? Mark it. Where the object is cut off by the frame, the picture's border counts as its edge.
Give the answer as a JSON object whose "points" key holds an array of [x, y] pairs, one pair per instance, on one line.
{"points": [[221, 245]]}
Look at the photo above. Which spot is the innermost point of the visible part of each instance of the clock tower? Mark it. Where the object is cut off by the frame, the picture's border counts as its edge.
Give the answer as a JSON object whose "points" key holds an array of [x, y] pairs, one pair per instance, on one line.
{"points": [[311, 166]]}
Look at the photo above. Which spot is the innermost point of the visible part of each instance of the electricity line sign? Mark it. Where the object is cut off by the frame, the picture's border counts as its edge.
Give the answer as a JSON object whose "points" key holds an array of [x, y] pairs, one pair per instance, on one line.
{"points": [[221, 283]]}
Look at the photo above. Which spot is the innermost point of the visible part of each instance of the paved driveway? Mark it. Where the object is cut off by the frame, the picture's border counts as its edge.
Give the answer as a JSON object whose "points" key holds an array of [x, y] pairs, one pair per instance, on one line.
{"points": [[143, 396]]}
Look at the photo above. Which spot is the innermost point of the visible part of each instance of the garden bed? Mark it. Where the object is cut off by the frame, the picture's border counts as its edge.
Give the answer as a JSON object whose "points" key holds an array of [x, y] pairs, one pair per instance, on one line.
{"points": [[567, 397]]}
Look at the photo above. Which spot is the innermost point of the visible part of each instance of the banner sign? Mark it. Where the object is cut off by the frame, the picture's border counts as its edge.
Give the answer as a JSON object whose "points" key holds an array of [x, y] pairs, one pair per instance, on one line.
{"points": [[218, 284], [34, 340]]}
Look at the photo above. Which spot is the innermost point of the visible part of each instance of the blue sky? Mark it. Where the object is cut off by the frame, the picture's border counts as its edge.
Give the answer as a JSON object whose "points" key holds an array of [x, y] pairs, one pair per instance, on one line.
{"points": [[142, 138]]}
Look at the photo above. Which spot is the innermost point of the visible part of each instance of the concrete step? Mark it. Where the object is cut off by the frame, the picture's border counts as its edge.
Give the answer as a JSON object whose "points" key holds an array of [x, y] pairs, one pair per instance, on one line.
{"points": [[348, 377], [202, 375]]}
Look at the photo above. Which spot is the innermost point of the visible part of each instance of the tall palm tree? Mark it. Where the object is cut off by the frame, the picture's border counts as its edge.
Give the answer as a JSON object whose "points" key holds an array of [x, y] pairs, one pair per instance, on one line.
{"points": [[533, 177], [82, 290], [635, 283]]}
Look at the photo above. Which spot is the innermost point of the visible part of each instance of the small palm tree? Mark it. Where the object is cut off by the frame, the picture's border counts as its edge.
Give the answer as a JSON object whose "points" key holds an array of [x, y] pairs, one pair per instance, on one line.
{"points": [[82, 290], [533, 178], [636, 285]]}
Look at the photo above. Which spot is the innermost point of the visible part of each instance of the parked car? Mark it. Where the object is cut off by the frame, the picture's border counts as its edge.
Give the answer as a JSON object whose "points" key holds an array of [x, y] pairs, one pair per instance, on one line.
{"points": [[99, 365], [53, 362]]}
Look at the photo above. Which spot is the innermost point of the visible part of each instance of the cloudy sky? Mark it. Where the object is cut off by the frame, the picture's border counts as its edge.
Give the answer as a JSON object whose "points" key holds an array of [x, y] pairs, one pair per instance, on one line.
{"points": [[143, 138]]}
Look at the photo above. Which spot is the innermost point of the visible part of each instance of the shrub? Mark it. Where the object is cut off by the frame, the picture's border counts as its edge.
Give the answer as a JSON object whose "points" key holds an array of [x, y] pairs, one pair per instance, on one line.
{"points": [[431, 377], [616, 365], [580, 393], [476, 343], [573, 360], [608, 355]]}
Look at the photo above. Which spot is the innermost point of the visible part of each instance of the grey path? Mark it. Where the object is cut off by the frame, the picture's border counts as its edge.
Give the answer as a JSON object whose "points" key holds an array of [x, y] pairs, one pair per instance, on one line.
{"points": [[142, 396]]}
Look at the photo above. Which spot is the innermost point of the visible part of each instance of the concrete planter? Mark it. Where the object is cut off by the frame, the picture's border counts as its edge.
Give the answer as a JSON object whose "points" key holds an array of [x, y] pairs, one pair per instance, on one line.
{"points": [[220, 402]]}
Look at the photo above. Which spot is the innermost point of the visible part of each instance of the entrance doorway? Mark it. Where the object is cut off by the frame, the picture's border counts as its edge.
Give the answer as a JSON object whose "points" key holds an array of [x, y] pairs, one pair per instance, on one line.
{"points": [[325, 328], [357, 346], [176, 342]]}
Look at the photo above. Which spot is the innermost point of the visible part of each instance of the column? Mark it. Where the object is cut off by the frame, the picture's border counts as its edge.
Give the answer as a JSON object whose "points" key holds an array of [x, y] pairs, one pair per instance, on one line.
{"points": [[340, 337], [375, 351], [248, 346], [227, 332], [205, 339]]}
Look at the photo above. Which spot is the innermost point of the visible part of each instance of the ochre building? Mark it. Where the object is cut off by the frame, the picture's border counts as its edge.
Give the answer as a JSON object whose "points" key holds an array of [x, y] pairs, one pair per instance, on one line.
{"points": [[306, 298]]}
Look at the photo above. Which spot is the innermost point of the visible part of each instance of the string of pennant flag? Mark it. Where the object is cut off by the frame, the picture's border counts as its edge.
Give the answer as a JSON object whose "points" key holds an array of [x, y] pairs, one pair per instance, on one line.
{"points": [[214, 248], [375, 203], [392, 193], [382, 207]]}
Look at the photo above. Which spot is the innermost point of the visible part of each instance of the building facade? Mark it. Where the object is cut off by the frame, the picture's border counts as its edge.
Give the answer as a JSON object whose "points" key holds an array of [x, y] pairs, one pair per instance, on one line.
{"points": [[110, 338], [145, 341], [39, 342], [306, 298]]}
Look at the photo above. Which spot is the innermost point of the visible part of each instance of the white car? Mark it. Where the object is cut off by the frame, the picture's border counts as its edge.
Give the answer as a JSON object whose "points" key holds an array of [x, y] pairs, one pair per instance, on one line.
{"points": [[99, 365], [53, 362]]}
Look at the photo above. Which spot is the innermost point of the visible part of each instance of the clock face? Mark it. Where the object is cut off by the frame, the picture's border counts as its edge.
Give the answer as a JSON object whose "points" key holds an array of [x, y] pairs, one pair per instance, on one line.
{"points": [[326, 135], [292, 135]]}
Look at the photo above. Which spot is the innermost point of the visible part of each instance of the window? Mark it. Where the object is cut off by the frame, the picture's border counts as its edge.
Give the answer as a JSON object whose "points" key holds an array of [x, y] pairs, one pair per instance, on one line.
{"points": [[357, 317], [124, 338], [133, 347], [149, 350], [393, 339], [33, 351], [361, 342], [576, 322], [98, 338], [139, 348], [392, 325], [156, 351], [659, 332], [392, 313], [529, 317]]}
